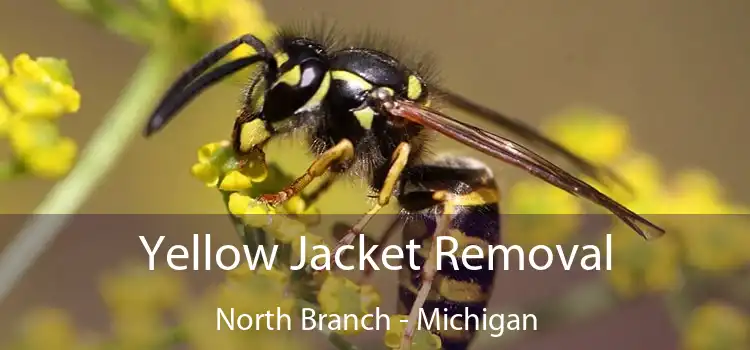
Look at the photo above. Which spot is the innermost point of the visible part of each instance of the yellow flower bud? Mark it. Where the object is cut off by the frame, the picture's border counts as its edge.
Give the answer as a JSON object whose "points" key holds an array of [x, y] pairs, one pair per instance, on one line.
{"points": [[27, 135], [238, 203], [235, 181], [207, 151], [42, 87], [40, 99], [206, 173], [295, 205], [53, 161]]}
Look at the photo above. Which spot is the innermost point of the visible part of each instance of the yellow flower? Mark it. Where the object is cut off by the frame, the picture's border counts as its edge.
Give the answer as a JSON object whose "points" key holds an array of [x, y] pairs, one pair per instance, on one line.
{"points": [[540, 214], [4, 69], [199, 10], [216, 159], [339, 295], [643, 173], [134, 289], [41, 148], [253, 293], [49, 329], [41, 88], [244, 17], [715, 242], [256, 294], [597, 136], [135, 330], [715, 325], [295, 205], [422, 339], [286, 229], [643, 267], [6, 117], [54, 161], [235, 181], [208, 151], [239, 203], [205, 172], [697, 192]]}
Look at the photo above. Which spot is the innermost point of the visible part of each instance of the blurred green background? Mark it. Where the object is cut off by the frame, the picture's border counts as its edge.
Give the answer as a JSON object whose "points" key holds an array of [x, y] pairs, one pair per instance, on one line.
{"points": [[676, 71]]}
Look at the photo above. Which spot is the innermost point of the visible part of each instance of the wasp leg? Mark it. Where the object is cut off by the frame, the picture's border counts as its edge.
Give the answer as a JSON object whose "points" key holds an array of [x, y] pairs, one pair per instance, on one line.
{"points": [[429, 269], [314, 195], [341, 152], [398, 163]]}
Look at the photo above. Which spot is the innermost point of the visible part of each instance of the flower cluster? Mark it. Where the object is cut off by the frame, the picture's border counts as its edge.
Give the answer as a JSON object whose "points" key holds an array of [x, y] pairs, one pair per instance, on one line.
{"points": [[681, 203], [706, 236], [37, 92], [715, 325], [242, 181]]}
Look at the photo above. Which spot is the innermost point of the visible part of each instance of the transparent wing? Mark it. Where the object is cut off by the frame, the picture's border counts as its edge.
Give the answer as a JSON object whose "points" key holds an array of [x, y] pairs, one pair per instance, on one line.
{"points": [[519, 156], [528, 133]]}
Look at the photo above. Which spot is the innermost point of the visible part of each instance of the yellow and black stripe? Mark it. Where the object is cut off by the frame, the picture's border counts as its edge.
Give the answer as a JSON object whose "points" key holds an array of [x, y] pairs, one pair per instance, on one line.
{"points": [[473, 198]]}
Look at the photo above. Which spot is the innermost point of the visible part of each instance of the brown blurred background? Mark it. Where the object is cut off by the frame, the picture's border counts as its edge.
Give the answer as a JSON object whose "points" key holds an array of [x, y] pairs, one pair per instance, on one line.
{"points": [[677, 70]]}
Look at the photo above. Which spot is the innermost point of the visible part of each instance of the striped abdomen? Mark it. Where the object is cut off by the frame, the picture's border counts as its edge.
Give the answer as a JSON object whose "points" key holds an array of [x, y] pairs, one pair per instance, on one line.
{"points": [[456, 290]]}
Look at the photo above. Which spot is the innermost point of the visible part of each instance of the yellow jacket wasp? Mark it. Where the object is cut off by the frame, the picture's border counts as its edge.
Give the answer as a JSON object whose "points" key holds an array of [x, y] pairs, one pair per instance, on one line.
{"points": [[368, 114]]}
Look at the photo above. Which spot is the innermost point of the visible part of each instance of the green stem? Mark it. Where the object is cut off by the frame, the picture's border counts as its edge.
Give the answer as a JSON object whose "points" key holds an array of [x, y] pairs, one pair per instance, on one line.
{"points": [[96, 161]]}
